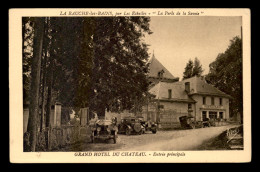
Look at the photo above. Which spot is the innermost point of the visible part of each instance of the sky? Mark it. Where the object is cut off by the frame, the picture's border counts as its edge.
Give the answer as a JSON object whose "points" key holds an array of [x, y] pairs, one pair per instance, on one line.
{"points": [[175, 40]]}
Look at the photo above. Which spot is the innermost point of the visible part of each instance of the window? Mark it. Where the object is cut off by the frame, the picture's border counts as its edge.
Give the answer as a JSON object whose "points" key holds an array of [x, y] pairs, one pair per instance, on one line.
{"points": [[204, 115], [212, 101], [189, 106], [221, 115], [212, 115], [160, 74], [169, 93], [220, 101], [160, 106], [204, 100]]}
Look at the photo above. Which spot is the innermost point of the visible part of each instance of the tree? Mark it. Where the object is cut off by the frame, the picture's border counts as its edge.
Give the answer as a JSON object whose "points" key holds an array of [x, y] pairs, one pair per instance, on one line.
{"points": [[188, 70], [226, 74], [197, 69], [192, 69], [101, 64], [27, 31], [35, 81], [119, 75]]}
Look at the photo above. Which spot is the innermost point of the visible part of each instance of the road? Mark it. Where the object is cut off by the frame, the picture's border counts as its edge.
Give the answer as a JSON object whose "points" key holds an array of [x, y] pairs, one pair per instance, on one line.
{"points": [[161, 141]]}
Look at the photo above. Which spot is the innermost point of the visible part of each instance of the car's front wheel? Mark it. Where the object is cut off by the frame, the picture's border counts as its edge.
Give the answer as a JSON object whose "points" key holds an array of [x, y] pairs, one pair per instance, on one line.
{"points": [[92, 139], [114, 139], [127, 132], [154, 131]]}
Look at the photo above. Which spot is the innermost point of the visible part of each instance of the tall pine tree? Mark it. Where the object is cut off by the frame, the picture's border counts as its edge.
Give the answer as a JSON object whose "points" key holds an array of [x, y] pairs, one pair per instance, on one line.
{"points": [[192, 69]]}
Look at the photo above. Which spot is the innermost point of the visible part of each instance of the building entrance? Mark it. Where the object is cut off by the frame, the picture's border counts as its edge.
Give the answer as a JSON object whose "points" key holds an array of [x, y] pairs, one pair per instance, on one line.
{"points": [[212, 115], [204, 115], [221, 115]]}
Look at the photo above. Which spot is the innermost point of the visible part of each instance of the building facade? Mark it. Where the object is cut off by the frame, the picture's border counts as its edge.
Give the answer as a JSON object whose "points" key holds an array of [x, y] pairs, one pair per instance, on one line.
{"points": [[191, 97]]}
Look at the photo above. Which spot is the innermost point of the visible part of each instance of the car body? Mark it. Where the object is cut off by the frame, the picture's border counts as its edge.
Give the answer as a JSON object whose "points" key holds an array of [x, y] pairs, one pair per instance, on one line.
{"points": [[130, 125], [148, 125], [187, 122], [104, 129], [206, 122]]}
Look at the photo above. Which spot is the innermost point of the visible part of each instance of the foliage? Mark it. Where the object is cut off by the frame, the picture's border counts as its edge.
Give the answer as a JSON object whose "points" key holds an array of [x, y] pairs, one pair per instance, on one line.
{"points": [[192, 69], [27, 29], [101, 63], [188, 70], [119, 65], [226, 74], [96, 62]]}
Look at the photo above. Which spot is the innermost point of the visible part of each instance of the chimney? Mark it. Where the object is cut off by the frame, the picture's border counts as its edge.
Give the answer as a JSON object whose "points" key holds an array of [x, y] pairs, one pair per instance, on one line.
{"points": [[187, 87]]}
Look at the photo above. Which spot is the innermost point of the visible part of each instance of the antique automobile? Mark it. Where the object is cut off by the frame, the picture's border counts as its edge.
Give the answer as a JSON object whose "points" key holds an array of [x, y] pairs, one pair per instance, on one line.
{"points": [[206, 122], [148, 125], [104, 129], [130, 125], [212, 122], [187, 122]]}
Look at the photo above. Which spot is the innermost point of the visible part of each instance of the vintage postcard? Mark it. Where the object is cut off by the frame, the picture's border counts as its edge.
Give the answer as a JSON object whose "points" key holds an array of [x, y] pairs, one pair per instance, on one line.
{"points": [[130, 85]]}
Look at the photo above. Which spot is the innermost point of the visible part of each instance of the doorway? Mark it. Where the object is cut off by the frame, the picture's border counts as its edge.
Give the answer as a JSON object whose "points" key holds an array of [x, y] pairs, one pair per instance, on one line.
{"points": [[212, 115]]}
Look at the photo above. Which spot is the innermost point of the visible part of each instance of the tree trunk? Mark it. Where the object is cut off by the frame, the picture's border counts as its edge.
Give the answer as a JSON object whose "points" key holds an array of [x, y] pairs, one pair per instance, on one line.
{"points": [[35, 83], [49, 96], [43, 91], [49, 102], [46, 47]]}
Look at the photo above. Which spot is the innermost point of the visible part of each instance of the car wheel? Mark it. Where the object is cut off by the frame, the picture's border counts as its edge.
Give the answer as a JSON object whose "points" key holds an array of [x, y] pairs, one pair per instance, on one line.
{"points": [[114, 140], [154, 131], [127, 132]]}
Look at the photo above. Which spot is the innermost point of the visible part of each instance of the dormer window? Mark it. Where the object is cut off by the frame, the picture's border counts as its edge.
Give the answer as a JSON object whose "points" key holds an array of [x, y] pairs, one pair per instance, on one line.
{"points": [[160, 74]]}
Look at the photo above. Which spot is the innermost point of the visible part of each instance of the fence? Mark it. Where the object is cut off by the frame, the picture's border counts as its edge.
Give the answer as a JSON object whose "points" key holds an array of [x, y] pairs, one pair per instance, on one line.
{"points": [[57, 137]]}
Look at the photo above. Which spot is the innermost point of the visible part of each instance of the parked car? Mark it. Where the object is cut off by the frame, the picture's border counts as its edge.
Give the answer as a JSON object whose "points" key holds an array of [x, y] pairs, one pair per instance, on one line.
{"points": [[206, 122], [199, 124], [148, 125], [212, 122], [104, 129], [130, 125], [187, 122]]}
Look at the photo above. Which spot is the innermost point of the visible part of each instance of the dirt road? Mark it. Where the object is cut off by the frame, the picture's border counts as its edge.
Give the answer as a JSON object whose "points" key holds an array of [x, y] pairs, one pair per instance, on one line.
{"points": [[161, 141]]}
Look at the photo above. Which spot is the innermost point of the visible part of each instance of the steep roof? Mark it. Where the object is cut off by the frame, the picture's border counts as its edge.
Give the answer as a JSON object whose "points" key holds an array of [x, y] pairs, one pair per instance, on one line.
{"points": [[178, 92], [155, 66], [199, 86]]}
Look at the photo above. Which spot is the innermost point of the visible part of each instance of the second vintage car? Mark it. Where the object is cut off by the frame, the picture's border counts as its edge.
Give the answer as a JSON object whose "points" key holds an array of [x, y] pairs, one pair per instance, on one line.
{"points": [[130, 125], [148, 125]]}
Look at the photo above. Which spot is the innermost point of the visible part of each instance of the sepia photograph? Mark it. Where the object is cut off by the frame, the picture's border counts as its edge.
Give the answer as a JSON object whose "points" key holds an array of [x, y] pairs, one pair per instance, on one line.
{"points": [[132, 84]]}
